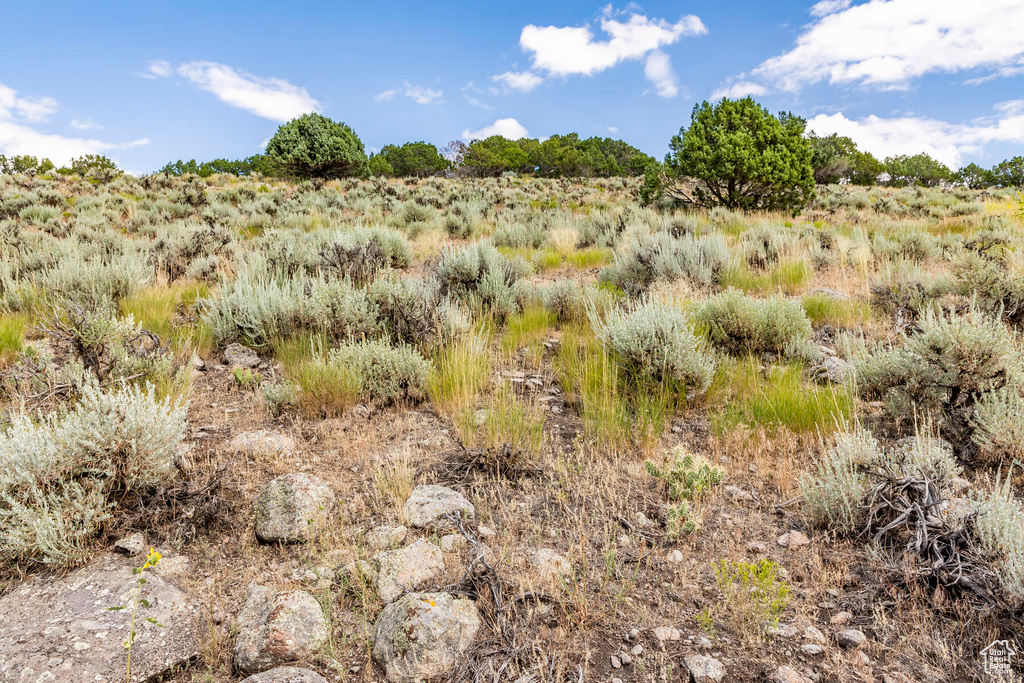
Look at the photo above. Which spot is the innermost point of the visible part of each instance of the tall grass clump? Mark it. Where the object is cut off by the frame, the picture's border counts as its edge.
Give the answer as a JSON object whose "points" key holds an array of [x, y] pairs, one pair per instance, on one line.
{"points": [[12, 336]]}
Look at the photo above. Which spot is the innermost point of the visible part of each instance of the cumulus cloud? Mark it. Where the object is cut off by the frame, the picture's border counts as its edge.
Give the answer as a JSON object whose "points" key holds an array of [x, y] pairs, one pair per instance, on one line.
{"points": [[524, 81], [18, 136], [887, 43], [85, 124], [658, 70], [947, 142], [507, 128], [419, 94], [739, 89], [157, 68], [270, 98], [573, 50]]}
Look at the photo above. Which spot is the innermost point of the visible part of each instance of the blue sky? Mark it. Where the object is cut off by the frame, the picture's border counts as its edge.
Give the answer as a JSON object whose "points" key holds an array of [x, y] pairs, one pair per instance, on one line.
{"points": [[147, 83]]}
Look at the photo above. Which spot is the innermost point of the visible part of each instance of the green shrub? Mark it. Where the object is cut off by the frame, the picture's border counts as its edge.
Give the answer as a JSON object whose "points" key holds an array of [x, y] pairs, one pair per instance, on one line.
{"points": [[686, 476], [61, 478], [999, 527], [655, 344], [412, 311], [741, 324], [383, 373], [482, 278], [663, 258], [998, 422], [755, 594], [565, 299]]}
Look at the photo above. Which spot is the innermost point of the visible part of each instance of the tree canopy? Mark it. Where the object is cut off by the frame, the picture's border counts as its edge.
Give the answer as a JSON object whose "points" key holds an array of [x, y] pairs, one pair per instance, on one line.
{"points": [[240, 167], [418, 159], [920, 169], [737, 154], [314, 146], [559, 156]]}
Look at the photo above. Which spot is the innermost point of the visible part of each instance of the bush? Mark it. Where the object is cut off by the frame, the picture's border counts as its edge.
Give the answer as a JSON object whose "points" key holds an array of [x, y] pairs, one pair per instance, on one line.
{"points": [[314, 146], [686, 476], [412, 311], [742, 324], [755, 594], [999, 527], [999, 425], [60, 478], [482, 278], [655, 343], [661, 257], [383, 373], [565, 299]]}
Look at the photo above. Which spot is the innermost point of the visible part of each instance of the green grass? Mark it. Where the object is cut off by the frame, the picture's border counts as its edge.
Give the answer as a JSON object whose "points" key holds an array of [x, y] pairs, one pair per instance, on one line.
{"points": [[824, 310], [540, 259], [742, 393], [460, 373], [528, 329], [325, 389], [156, 308], [511, 430], [788, 276], [588, 259], [12, 336]]}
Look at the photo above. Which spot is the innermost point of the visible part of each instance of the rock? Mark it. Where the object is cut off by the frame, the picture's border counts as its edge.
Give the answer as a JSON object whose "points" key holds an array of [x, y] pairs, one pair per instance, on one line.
{"points": [[704, 668], [359, 572], [551, 567], [959, 485], [861, 658], [450, 542], [666, 633], [485, 532], [262, 442], [386, 537], [60, 629], [703, 644], [840, 618], [793, 539], [812, 649], [783, 631], [286, 674], [616, 662], [851, 639], [756, 547], [429, 504], [423, 635], [291, 508], [133, 545], [787, 674], [736, 493], [409, 569], [959, 508], [278, 628], [173, 567], [813, 634], [835, 370], [637, 650], [829, 293], [238, 356], [625, 658], [674, 557]]}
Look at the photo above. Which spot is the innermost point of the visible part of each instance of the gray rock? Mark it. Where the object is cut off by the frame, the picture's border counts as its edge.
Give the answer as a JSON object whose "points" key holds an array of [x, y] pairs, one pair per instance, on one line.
{"points": [[63, 627], [409, 569], [851, 639], [423, 635], [830, 293], [238, 356], [812, 649], [429, 504], [449, 542], [793, 539], [278, 628], [386, 537], [291, 508], [551, 567], [286, 674], [666, 633], [835, 370], [262, 442], [736, 493], [133, 545], [704, 668], [840, 618], [787, 674], [812, 634]]}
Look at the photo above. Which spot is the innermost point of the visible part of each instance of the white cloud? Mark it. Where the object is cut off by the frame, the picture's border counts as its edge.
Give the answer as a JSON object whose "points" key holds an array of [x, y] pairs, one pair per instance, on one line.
{"points": [[86, 124], [888, 43], [738, 90], [658, 70], [507, 128], [18, 137], [157, 68], [829, 7], [562, 51], [524, 81], [612, 129], [271, 98], [417, 93], [947, 142]]}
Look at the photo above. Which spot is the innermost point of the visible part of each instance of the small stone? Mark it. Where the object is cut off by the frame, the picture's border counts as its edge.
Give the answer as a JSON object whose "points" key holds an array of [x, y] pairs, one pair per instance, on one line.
{"points": [[286, 674], [674, 557], [738, 494], [625, 658], [616, 662], [450, 542], [756, 547], [666, 633], [485, 532], [787, 674], [429, 504], [703, 644], [409, 569], [793, 539], [551, 567], [238, 356], [278, 628], [840, 618], [704, 668], [637, 650], [783, 631], [291, 508], [814, 635], [385, 537], [132, 545], [860, 657], [262, 442], [851, 639], [633, 634], [812, 649]]}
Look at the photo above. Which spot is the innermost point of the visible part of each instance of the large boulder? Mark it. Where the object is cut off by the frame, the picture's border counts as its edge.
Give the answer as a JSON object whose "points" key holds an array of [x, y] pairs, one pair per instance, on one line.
{"points": [[278, 628], [703, 668], [408, 569], [286, 674], [423, 635], [429, 505], [62, 629], [291, 508]]}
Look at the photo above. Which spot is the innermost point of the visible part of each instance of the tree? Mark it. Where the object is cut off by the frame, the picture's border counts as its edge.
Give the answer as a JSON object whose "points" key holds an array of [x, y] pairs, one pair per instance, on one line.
{"points": [[24, 165], [494, 156], [975, 177], [419, 159], [314, 146], [865, 169], [92, 167], [919, 169], [455, 153], [736, 154], [1009, 173], [832, 157]]}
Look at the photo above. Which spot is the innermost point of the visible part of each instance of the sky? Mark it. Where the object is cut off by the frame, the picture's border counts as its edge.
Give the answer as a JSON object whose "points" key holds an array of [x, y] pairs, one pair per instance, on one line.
{"points": [[148, 83]]}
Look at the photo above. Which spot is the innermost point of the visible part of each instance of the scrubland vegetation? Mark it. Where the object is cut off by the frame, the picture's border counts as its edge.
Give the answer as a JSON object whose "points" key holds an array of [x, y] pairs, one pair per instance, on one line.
{"points": [[604, 371]]}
